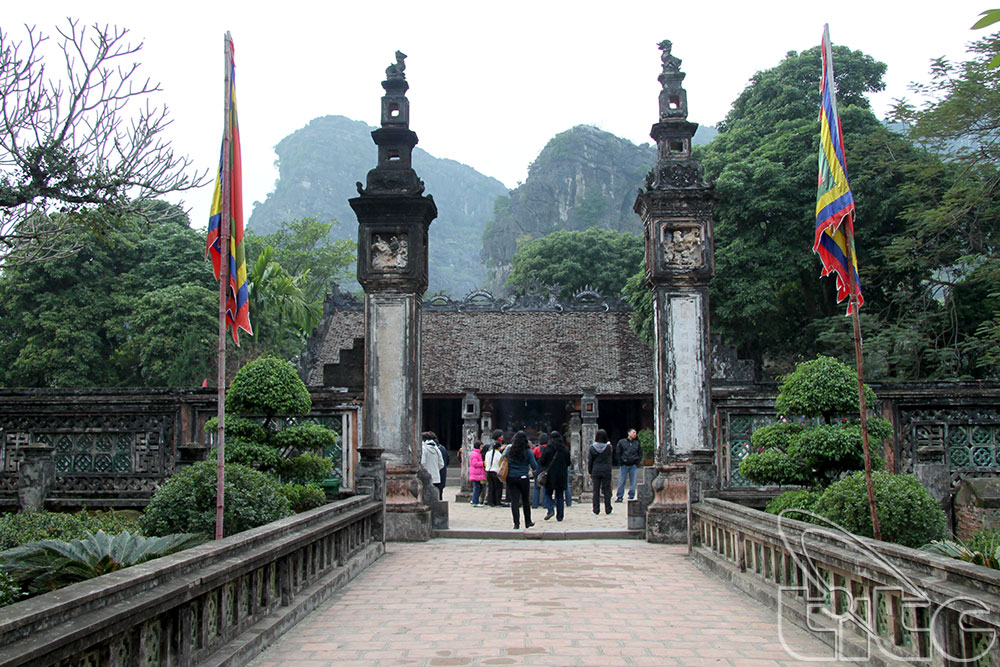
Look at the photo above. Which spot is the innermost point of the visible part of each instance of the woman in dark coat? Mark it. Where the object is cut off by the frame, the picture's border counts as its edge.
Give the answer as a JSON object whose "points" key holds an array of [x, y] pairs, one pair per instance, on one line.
{"points": [[555, 459], [520, 463]]}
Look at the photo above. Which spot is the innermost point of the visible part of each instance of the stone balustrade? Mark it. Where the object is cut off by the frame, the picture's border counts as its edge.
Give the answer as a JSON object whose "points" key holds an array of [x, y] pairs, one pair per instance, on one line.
{"points": [[219, 603], [868, 600]]}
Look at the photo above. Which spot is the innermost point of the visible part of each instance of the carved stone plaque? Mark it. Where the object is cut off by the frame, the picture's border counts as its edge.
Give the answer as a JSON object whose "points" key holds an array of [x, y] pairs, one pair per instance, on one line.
{"points": [[682, 246], [389, 252]]}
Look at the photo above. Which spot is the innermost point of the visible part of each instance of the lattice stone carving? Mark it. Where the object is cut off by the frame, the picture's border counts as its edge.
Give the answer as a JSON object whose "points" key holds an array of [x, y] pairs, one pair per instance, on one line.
{"points": [[970, 438], [10, 456]]}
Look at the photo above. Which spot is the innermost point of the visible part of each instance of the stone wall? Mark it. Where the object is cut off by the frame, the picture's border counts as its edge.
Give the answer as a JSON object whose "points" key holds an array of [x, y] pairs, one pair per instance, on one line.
{"points": [[114, 447], [976, 506]]}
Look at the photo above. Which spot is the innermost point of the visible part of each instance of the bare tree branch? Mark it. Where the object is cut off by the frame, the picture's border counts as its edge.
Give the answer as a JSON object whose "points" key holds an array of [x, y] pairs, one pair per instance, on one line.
{"points": [[87, 138]]}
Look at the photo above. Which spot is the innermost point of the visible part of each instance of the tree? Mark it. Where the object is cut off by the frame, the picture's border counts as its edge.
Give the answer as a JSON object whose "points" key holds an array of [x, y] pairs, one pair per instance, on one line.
{"points": [[123, 308], [792, 453], [571, 260], [85, 142]]}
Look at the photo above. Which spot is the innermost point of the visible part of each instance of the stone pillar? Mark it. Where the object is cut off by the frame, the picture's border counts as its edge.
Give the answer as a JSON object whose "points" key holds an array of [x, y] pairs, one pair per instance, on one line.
{"points": [[470, 433], [370, 480], [486, 425], [578, 470], [393, 220], [588, 413], [932, 470], [35, 475], [676, 210]]}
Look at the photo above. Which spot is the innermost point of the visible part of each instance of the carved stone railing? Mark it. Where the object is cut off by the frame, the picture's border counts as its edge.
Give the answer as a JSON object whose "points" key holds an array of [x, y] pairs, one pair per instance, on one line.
{"points": [[867, 599], [218, 603]]}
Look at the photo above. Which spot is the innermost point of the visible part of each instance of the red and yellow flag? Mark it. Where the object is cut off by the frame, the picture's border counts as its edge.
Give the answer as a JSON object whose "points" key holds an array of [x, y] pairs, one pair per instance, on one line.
{"points": [[237, 306]]}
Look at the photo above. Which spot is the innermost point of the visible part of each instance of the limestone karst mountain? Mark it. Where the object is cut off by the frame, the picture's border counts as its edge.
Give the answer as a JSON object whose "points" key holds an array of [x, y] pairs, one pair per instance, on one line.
{"points": [[318, 166]]}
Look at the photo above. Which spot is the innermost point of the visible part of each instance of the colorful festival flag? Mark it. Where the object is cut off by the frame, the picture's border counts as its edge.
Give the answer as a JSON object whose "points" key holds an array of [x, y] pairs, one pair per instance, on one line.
{"points": [[237, 306], [834, 201]]}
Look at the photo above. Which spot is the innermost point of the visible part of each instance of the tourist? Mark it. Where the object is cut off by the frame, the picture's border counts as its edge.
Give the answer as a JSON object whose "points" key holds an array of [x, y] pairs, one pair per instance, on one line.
{"points": [[629, 455], [599, 458], [444, 466], [494, 490], [477, 474], [556, 460], [520, 462], [430, 457], [536, 491]]}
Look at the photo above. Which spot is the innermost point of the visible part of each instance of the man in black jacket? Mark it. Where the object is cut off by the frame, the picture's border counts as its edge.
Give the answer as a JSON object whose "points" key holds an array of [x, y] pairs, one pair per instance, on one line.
{"points": [[599, 458], [629, 455]]}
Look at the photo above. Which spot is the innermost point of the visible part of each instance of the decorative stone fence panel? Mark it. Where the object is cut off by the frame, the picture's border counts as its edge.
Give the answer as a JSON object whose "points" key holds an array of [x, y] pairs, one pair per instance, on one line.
{"points": [[114, 448], [872, 601], [218, 603]]}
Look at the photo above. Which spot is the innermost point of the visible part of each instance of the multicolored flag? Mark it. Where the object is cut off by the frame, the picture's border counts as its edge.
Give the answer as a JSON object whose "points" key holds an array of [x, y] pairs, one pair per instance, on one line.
{"points": [[834, 201], [237, 306]]}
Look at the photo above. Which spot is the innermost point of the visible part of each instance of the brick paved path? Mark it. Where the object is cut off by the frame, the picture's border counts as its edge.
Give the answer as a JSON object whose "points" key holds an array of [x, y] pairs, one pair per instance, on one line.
{"points": [[463, 516], [600, 602]]}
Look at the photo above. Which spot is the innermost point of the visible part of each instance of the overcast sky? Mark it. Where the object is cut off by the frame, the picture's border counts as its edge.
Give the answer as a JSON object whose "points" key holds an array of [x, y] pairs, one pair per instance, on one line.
{"points": [[490, 83]]}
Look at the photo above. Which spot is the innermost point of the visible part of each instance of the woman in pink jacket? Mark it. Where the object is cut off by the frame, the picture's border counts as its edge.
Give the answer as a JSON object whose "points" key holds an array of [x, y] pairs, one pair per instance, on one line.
{"points": [[477, 473]]}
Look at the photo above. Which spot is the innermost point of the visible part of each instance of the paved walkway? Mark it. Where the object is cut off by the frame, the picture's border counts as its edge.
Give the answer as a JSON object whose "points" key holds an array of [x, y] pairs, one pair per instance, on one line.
{"points": [[489, 602], [463, 516]]}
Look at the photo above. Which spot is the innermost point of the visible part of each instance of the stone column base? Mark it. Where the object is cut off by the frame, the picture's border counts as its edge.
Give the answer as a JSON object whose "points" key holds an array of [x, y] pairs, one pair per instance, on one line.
{"points": [[666, 517], [407, 516]]}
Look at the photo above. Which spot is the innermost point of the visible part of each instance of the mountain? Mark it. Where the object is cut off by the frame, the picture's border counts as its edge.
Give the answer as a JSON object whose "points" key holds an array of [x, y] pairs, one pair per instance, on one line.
{"points": [[318, 166], [584, 177]]}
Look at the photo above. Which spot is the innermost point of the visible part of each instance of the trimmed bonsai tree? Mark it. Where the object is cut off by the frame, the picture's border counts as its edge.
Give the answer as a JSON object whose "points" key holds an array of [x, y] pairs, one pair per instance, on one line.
{"points": [[792, 454]]}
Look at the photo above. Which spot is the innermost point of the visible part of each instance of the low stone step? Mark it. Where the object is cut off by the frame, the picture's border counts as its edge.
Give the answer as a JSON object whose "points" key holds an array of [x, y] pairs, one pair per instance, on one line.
{"points": [[532, 534]]}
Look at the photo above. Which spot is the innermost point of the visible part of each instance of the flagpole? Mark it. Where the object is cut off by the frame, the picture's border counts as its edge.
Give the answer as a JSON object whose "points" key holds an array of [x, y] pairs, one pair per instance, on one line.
{"points": [[849, 245], [224, 232]]}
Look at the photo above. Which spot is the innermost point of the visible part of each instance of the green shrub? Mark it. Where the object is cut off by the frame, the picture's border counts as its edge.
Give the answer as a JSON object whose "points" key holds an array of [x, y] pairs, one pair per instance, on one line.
{"points": [[794, 500], [986, 540], [907, 513], [50, 564], [773, 467], [24, 527], [238, 428], [303, 497], [254, 455], [305, 437], [306, 468], [10, 592], [186, 503], [959, 551], [647, 442], [268, 386], [821, 387]]}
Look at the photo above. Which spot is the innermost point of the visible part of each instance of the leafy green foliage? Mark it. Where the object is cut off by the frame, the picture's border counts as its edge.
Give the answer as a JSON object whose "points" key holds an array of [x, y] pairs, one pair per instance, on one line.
{"points": [[186, 502], [254, 455], [115, 310], [50, 564], [10, 591], [238, 428], [794, 500], [306, 468], [305, 437], [572, 260], [647, 442], [303, 497], [955, 549], [823, 387], [23, 527], [268, 386], [907, 513], [640, 298], [788, 453], [986, 540]]}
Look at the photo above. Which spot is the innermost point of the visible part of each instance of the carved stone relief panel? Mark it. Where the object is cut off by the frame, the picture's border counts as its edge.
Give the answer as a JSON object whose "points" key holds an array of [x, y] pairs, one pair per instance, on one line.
{"points": [[389, 252], [682, 246]]}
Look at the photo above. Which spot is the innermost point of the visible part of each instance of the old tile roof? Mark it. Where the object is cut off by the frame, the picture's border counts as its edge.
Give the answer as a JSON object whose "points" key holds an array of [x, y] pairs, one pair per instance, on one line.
{"points": [[526, 353]]}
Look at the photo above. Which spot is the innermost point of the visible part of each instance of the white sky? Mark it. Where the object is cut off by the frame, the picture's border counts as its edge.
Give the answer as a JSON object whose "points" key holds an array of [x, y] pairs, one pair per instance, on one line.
{"points": [[490, 83]]}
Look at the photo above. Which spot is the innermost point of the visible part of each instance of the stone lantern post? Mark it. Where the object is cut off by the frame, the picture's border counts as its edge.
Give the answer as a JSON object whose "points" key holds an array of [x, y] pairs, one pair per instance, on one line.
{"points": [[393, 219], [588, 431], [470, 433], [676, 211]]}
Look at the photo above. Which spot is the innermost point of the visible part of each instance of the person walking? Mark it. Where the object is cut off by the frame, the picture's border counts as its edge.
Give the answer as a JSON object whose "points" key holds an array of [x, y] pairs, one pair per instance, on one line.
{"points": [[555, 460], [629, 455], [536, 490], [494, 490], [520, 462], [477, 473], [599, 459], [444, 467], [430, 457]]}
